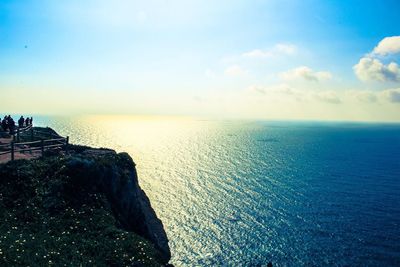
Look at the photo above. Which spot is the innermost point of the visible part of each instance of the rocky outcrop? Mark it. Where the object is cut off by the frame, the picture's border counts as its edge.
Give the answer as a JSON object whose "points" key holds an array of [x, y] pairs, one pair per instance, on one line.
{"points": [[84, 207], [117, 177]]}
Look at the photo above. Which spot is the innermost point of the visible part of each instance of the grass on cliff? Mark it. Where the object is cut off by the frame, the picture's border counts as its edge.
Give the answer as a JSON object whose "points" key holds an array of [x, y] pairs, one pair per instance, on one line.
{"points": [[50, 216]]}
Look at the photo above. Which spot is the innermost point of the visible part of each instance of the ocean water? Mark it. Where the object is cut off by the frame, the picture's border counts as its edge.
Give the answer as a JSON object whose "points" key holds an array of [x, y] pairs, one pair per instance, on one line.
{"points": [[242, 193]]}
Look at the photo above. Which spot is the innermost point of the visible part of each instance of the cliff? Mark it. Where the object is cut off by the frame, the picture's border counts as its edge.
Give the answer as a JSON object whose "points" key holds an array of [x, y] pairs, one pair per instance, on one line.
{"points": [[84, 208]]}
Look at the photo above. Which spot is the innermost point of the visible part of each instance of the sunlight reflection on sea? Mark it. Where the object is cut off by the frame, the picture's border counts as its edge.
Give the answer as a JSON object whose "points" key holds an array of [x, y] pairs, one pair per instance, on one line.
{"points": [[239, 193]]}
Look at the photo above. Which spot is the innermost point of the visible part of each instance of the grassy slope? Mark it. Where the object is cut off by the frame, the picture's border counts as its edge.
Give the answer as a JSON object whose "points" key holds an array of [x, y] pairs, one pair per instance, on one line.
{"points": [[49, 214]]}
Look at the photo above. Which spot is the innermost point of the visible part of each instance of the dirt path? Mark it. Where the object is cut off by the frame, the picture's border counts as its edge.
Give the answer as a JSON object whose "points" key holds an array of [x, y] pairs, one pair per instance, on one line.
{"points": [[18, 155]]}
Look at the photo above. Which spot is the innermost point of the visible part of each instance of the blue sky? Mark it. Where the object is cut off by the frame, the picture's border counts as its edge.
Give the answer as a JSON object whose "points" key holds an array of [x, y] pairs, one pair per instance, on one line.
{"points": [[239, 59]]}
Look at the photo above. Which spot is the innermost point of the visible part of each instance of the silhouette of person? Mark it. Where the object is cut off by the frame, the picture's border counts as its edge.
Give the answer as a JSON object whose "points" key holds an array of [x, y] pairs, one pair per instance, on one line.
{"points": [[4, 124], [11, 124], [21, 122]]}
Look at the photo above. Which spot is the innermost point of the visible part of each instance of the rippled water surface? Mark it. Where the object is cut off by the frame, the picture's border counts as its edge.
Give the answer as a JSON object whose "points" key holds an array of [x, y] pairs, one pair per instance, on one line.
{"points": [[236, 193]]}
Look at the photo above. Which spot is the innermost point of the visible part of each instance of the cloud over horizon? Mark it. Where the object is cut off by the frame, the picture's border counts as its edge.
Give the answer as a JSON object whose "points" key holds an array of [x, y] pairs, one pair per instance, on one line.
{"points": [[393, 95], [284, 92], [306, 73], [330, 97], [372, 69]]}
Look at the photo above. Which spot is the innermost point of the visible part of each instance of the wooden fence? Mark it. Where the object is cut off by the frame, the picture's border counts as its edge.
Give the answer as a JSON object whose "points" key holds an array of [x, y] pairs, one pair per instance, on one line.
{"points": [[21, 130], [53, 141]]}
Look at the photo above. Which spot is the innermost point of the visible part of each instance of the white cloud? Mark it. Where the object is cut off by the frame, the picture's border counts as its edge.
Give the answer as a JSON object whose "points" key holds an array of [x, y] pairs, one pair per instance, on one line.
{"points": [[389, 45], [256, 89], [374, 96], [285, 92], [330, 97], [363, 96], [392, 95], [307, 74], [274, 89], [235, 70], [278, 49], [370, 69], [280, 93]]}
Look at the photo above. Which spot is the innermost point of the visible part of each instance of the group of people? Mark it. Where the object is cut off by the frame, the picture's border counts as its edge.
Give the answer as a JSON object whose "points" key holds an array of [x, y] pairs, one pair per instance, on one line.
{"points": [[8, 123]]}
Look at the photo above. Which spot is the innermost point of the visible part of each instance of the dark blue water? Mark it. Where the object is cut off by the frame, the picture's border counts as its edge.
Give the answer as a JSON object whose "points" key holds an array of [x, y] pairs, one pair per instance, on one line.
{"points": [[245, 193], [341, 193]]}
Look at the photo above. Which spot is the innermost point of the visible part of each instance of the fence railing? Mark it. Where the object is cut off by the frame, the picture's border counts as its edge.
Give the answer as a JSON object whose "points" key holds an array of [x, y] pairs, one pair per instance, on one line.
{"points": [[54, 141], [21, 130]]}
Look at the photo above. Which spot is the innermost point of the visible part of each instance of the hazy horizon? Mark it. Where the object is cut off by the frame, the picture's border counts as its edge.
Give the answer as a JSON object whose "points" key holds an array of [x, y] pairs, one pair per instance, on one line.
{"points": [[176, 117], [259, 60]]}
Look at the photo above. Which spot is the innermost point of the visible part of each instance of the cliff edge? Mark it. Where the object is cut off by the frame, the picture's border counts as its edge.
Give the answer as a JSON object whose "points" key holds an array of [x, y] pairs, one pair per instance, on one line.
{"points": [[84, 208]]}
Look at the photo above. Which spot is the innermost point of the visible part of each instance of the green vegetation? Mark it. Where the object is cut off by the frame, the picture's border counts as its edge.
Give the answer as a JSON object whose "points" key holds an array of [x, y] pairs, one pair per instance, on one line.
{"points": [[53, 213]]}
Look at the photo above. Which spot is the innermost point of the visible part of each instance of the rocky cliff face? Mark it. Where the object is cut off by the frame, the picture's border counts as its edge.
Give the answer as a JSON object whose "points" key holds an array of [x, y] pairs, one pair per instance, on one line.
{"points": [[117, 177], [84, 208]]}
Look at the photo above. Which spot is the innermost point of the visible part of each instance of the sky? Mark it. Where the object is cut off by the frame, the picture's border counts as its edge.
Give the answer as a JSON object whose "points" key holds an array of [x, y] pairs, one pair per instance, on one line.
{"points": [[244, 59]]}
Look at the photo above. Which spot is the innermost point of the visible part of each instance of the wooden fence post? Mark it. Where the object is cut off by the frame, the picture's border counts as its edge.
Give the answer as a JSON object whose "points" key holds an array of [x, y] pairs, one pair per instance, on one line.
{"points": [[12, 150], [42, 146], [31, 134], [18, 135]]}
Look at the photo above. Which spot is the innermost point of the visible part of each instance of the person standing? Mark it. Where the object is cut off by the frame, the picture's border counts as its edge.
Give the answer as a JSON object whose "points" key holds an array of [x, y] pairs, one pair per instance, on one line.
{"points": [[21, 122], [4, 123], [11, 125]]}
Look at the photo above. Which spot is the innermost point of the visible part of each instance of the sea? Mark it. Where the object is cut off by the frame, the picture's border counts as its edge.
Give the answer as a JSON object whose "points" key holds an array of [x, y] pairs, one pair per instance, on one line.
{"points": [[245, 193]]}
